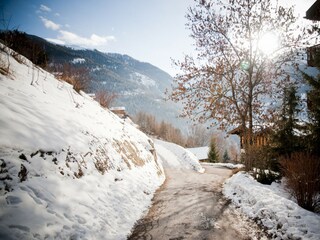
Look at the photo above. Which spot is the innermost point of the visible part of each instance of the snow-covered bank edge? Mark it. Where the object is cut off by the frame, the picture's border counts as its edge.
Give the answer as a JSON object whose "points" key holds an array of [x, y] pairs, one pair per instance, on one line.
{"points": [[282, 218], [172, 155], [226, 165]]}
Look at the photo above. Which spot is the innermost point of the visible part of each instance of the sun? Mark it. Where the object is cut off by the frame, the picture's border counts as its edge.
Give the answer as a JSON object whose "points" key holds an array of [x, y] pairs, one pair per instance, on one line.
{"points": [[268, 43]]}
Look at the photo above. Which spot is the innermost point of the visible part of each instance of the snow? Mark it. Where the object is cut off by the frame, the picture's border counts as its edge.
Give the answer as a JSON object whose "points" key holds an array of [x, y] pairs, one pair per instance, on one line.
{"points": [[225, 165], [200, 152], [78, 60], [174, 156], [69, 169], [282, 217], [143, 80]]}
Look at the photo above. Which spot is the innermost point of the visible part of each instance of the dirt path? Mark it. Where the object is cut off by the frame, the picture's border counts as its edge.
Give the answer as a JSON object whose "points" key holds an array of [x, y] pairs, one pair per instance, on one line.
{"points": [[190, 205]]}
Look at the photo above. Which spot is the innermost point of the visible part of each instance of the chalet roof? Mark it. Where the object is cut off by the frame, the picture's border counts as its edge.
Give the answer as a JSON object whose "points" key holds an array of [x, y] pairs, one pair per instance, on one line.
{"points": [[313, 13], [117, 109], [92, 95], [257, 131], [236, 131]]}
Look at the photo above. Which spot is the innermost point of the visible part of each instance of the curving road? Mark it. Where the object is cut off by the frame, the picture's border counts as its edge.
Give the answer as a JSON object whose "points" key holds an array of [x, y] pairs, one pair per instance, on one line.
{"points": [[190, 205]]}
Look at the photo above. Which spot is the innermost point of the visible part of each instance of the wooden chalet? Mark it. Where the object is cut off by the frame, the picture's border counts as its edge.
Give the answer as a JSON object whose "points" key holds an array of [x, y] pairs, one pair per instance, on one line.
{"points": [[312, 53], [119, 111], [313, 13], [260, 138]]}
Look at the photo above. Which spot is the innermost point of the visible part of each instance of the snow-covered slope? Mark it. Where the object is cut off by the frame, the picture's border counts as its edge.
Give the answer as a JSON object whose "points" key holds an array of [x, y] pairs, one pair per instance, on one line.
{"points": [[68, 168], [281, 217], [200, 152], [174, 156]]}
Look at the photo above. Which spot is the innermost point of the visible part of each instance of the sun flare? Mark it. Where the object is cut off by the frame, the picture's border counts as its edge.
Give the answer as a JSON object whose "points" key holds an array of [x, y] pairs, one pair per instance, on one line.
{"points": [[268, 43]]}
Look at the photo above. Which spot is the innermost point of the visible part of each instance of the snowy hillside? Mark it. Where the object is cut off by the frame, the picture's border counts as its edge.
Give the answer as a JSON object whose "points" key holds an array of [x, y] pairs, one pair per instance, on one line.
{"points": [[68, 168], [139, 86]]}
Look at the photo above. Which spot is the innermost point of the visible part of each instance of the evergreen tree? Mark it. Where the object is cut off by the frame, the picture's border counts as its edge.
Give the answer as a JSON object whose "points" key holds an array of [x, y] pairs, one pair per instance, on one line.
{"points": [[213, 154], [226, 157], [313, 97], [285, 138]]}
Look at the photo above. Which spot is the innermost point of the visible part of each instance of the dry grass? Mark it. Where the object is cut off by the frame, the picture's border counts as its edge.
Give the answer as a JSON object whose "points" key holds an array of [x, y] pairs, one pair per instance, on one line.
{"points": [[76, 76], [4, 63], [129, 153], [105, 98], [78, 84], [4, 70], [19, 58]]}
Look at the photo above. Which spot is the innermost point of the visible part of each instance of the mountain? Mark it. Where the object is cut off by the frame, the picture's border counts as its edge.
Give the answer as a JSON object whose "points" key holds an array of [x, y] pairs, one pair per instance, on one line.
{"points": [[139, 86]]}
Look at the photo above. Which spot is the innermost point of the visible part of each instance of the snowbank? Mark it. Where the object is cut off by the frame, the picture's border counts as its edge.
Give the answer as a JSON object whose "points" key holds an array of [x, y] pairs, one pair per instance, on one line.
{"points": [[174, 156], [68, 168], [226, 165], [200, 152], [283, 218]]}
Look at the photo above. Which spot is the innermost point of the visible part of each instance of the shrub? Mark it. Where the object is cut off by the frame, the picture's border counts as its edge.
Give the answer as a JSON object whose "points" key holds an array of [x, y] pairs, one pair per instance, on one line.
{"points": [[303, 179], [262, 164], [105, 98], [266, 176], [76, 76]]}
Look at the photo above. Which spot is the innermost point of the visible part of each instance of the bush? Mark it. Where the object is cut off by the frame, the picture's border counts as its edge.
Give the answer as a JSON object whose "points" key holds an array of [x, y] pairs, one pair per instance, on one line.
{"points": [[105, 98], [303, 179], [262, 164], [76, 76], [266, 176]]}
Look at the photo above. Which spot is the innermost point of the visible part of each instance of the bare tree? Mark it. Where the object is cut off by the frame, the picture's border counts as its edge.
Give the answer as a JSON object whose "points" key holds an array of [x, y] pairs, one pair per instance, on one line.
{"points": [[164, 130], [231, 76], [5, 23], [200, 136]]}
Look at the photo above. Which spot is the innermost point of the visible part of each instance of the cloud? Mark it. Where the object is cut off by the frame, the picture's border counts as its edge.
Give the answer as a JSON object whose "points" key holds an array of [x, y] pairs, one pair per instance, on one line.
{"points": [[57, 14], [55, 41], [49, 24], [94, 41], [44, 8]]}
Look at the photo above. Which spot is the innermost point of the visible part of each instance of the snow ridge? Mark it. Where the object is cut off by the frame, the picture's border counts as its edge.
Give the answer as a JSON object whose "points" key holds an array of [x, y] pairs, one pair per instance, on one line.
{"points": [[172, 155], [283, 218]]}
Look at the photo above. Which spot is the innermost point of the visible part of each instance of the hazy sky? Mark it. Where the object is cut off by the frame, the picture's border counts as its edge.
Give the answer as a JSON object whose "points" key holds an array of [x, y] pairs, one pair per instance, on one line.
{"points": [[149, 30]]}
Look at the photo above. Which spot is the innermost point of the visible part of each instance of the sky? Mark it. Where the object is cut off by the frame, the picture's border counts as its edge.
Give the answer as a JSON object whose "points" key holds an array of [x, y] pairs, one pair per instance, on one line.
{"points": [[151, 31]]}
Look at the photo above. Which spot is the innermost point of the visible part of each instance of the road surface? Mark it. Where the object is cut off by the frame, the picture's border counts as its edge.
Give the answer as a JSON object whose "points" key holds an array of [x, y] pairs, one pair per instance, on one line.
{"points": [[190, 205]]}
